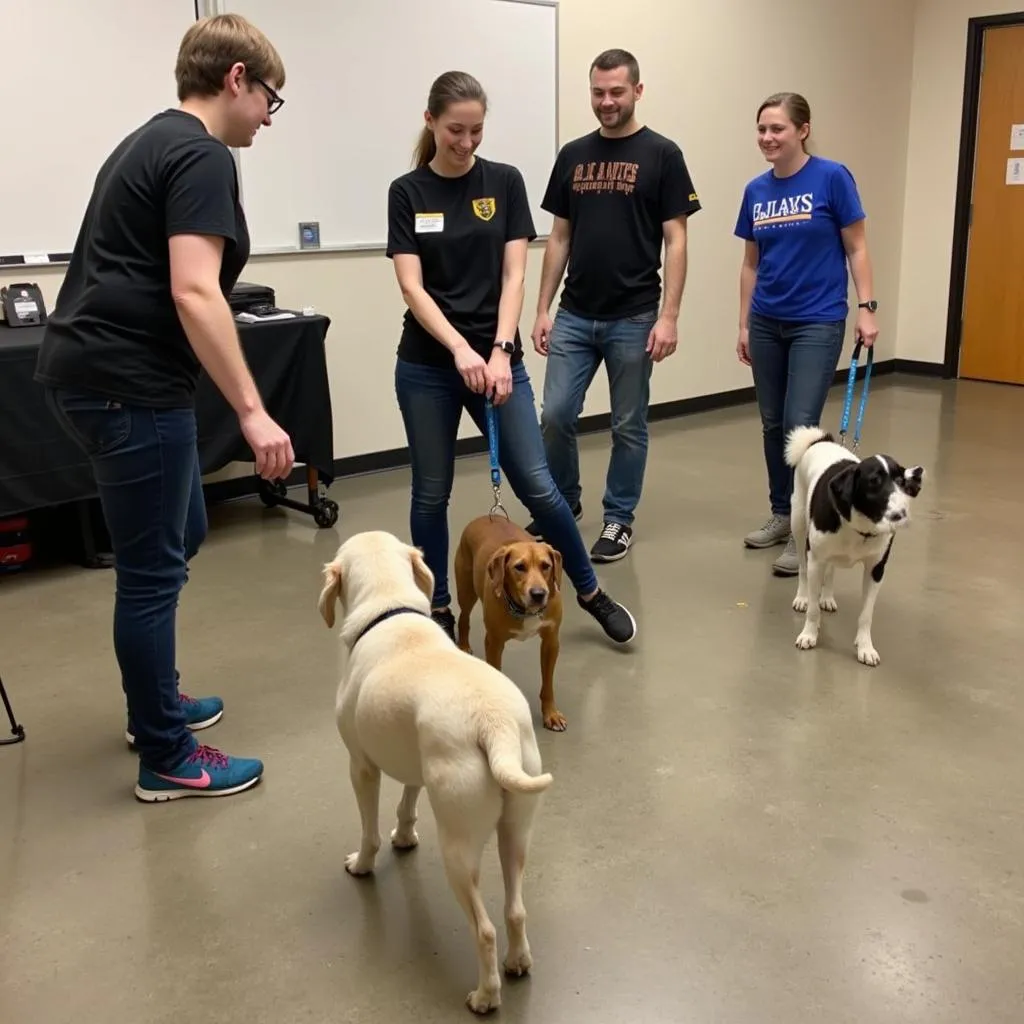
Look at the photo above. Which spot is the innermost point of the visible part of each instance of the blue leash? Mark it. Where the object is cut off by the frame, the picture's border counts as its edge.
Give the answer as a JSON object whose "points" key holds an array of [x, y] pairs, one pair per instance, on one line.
{"points": [[492, 444], [851, 381]]}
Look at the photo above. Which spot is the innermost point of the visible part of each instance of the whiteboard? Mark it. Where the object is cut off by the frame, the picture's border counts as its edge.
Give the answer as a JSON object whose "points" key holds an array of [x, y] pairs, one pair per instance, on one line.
{"points": [[358, 73], [76, 77]]}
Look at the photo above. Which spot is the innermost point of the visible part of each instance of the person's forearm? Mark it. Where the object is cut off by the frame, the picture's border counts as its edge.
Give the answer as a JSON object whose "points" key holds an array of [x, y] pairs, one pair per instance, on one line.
{"points": [[860, 270], [428, 314], [510, 307], [675, 278], [210, 329], [556, 257], [748, 277]]}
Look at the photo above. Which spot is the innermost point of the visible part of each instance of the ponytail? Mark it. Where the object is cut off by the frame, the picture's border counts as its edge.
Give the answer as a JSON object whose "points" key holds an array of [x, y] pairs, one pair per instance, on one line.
{"points": [[426, 148]]}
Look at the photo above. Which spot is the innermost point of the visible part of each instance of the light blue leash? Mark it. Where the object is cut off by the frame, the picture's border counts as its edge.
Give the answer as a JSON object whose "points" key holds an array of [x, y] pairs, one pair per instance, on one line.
{"points": [[492, 444], [851, 381]]}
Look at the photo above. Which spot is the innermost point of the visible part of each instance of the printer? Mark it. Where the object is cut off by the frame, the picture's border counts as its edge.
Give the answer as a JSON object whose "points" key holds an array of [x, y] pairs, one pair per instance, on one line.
{"points": [[22, 305], [245, 297]]}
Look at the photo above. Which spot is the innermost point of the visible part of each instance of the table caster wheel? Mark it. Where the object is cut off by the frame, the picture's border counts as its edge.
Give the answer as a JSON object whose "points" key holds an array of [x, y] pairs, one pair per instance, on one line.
{"points": [[270, 492], [326, 514]]}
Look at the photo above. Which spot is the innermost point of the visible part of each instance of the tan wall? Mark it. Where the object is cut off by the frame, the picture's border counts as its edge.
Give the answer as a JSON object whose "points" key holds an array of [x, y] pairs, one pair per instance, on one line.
{"points": [[818, 47]]}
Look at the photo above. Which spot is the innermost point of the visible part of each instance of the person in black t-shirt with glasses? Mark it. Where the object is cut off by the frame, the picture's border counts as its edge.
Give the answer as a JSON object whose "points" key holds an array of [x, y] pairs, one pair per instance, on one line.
{"points": [[458, 230], [618, 195], [143, 306]]}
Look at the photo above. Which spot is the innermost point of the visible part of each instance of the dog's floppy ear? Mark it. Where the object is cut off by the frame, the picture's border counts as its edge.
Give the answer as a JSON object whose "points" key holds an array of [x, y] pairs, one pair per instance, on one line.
{"points": [[421, 573], [496, 569], [841, 486], [330, 593], [556, 568], [913, 478]]}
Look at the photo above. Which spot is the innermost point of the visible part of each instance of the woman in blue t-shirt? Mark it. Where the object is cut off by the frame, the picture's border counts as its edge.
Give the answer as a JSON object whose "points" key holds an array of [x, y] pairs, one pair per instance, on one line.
{"points": [[802, 222]]}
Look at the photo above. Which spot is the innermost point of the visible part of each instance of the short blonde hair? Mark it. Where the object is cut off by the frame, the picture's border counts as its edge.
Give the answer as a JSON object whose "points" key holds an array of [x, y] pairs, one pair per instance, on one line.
{"points": [[212, 45]]}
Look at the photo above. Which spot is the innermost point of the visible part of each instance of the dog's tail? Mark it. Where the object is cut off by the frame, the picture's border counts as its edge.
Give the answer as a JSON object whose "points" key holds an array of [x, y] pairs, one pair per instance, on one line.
{"points": [[800, 439], [504, 752]]}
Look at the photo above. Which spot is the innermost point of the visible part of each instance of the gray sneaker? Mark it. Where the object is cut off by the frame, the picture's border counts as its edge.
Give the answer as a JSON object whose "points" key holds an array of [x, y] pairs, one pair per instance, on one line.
{"points": [[787, 563], [775, 531]]}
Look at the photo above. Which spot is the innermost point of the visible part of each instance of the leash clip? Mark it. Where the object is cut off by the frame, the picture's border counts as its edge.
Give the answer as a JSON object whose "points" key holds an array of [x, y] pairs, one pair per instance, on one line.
{"points": [[851, 382], [497, 506]]}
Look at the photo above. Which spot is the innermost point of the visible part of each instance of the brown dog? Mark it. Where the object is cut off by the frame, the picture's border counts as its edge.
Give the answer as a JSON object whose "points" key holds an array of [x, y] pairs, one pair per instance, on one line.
{"points": [[518, 580]]}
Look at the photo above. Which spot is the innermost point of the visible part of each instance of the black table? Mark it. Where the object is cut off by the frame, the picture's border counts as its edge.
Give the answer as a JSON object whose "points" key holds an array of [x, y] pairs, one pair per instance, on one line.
{"points": [[40, 466]]}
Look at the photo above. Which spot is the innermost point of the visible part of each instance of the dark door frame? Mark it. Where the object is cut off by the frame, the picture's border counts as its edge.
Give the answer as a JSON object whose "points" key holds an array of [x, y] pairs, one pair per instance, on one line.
{"points": [[965, 180]]}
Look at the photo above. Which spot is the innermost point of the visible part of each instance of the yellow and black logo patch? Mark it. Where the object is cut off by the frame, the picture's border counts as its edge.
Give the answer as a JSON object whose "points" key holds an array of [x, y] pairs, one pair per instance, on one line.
{"points": [[484, 208]]}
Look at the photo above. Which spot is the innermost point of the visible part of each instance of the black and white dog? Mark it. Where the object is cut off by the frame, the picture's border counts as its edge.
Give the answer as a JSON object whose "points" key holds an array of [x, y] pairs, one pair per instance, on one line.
{"points": [[845, 511]]}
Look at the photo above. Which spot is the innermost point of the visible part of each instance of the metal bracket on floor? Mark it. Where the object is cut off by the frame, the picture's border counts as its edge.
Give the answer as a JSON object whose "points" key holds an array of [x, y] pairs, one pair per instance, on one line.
{"points": [[17, 731]]}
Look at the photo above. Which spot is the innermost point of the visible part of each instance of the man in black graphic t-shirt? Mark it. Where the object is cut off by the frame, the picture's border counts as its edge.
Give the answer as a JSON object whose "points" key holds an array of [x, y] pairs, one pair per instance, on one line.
{"points": [[617, 195]]}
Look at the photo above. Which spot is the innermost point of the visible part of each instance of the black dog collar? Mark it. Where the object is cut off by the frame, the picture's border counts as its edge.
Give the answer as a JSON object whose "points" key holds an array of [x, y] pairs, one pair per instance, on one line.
{"points": [[517, 610], [383, 617]]}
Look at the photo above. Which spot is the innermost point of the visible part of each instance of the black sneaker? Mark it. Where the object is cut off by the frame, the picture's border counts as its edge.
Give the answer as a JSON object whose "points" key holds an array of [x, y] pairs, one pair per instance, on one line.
{"points": [[613, 543], [615, 620], [534, 530], [446, 620]]}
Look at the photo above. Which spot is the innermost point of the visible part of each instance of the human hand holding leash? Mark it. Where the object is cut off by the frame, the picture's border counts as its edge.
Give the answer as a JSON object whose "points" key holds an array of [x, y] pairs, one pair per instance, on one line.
{"points": [[473, 369], [499, 372], [866, 329]]}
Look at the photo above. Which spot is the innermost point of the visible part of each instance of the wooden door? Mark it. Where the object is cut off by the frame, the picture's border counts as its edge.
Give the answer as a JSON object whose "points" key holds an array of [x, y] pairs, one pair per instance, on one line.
{"points": [[992, 339]]}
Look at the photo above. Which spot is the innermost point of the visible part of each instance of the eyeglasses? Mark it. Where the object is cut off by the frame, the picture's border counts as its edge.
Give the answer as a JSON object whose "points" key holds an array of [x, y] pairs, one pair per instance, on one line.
{"points": [[275, 102]]}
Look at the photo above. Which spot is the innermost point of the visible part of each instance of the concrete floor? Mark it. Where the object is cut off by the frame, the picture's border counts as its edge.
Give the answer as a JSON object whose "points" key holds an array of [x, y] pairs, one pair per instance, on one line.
{"points": [[738, 832]]}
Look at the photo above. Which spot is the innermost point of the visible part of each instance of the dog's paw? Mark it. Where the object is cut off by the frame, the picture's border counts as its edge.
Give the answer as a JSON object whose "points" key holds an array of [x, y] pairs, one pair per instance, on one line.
{"points": [[800, 603], [355, 866], [828, 603], [404, 839], [806, 640], [555, 720], [866, 654], [483, 1001], [518, 963]]}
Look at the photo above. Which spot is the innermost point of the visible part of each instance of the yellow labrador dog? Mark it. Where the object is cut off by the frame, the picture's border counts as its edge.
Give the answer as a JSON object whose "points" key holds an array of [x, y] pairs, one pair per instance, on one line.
{"points": [[413, 706]]}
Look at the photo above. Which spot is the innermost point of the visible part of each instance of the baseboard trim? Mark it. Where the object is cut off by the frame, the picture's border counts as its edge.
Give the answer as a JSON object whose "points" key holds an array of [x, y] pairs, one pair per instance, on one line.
{"points": [[919, 368], [397, 458]]}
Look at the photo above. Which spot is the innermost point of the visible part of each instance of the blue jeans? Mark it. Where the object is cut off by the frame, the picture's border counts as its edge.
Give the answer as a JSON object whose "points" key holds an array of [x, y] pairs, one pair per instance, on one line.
{"points": [[794, 365], [146, 466], [575, 350], [431, 400]]}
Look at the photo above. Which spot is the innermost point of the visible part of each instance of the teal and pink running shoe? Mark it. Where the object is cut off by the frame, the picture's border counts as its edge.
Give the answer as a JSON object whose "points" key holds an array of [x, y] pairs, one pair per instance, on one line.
{"points": [[204, 772]]}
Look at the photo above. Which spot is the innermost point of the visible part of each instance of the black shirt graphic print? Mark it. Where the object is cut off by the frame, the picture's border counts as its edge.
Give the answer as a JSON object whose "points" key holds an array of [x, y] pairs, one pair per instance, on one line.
{"points": [[616, 194], [115, 329], [459, 228]]}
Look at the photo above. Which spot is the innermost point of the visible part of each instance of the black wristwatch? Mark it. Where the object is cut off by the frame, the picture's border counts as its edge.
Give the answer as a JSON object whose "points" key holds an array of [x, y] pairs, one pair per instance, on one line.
{"points": [[871, 305], [508, 347]]}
